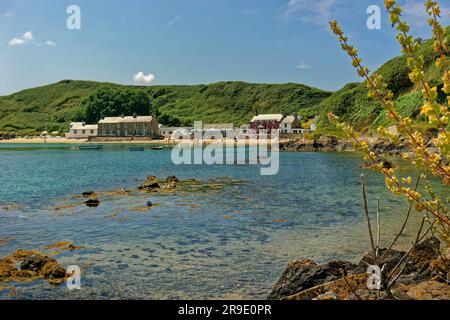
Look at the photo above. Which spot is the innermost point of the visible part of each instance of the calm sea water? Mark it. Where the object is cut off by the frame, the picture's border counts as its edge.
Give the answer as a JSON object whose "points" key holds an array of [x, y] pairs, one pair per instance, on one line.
{"points": [[232, 243]]}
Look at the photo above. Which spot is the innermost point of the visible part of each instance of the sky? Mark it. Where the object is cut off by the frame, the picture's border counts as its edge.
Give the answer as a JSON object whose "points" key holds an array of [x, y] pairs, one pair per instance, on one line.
{"points": [[154, 42]]}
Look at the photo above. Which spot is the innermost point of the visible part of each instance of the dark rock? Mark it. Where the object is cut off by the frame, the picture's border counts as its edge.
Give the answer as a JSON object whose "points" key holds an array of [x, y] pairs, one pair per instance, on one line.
{"points": [[52, 270], [423, 254], [150, 183], [88, 194], [305, 274], [389, 261], [419, 264], [172, 179], [92, 203], [149, 204], [34, 262]]}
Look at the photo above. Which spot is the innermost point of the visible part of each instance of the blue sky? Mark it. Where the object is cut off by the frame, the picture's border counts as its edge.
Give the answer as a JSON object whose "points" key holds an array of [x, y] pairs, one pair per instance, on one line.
{"points": [[190, 41]]}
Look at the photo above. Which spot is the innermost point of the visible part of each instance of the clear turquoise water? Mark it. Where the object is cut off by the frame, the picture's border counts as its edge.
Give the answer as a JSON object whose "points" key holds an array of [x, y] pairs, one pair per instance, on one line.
{"points": [[187, 247]]}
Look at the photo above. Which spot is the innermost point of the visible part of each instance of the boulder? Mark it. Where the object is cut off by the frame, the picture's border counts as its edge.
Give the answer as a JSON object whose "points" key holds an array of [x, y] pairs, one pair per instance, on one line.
{"points": [[52, 270], [171, 185], [88, 194], [150, 183], [389, 261], [172, 179], [34, 262], [92, 203], [305, 274], [328, 141]]}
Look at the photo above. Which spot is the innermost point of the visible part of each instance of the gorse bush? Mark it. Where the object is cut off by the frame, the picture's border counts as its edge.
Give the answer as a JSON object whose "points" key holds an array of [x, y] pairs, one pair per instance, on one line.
{"points": [[433, 107]]}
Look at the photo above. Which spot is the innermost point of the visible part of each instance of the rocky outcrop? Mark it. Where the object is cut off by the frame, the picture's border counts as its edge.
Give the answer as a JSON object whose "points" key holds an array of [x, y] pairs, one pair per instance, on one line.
{"points": [[150, 183], [26, 266], [172, 179], [430, 290], [92, 203], [331, 143], [422, 278], [305, 274]]}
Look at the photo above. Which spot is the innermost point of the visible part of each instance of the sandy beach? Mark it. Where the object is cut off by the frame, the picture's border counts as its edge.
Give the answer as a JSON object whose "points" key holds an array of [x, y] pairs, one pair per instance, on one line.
{"points": [[102, 141]]}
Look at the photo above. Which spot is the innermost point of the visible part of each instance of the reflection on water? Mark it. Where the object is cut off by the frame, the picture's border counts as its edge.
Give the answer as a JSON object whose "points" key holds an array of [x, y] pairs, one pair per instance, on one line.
{"points": [[232, 242]]}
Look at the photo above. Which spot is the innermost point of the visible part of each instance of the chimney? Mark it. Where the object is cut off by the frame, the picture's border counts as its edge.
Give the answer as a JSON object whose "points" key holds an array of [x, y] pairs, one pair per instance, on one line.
{"points": [[83, 123], [122, 116], [135, 115]]}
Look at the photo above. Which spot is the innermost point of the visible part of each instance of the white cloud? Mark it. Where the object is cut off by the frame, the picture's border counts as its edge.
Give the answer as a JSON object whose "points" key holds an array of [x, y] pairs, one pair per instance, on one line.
{"points": [[175, 20], [140, 77], [24, 39], [28, 38], [317, 12], [303, 66]]}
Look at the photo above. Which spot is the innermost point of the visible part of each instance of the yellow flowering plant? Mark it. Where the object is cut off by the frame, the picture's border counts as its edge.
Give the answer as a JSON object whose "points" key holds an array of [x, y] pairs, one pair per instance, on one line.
{"points": [[431, 162]]}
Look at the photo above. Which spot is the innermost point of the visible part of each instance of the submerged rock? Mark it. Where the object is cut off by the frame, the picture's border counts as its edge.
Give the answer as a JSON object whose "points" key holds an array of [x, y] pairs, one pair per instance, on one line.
{"points": [[172, 179], [34, 262], [63, 245], [88, 194], [26, 266], [92, 203], [150, 183]]}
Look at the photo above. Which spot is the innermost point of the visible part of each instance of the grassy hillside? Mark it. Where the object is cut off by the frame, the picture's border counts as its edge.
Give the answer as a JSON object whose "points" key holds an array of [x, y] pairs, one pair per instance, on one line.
{"points": [[353, 105], [53, 106]]}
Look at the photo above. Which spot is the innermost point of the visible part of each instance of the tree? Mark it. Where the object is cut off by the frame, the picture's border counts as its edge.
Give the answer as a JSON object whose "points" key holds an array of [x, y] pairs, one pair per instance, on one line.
{"points": [[108, 102], [169, 120]]}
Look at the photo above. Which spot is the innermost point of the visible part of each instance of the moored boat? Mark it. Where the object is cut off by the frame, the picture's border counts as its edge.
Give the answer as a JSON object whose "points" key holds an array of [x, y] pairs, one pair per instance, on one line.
{"points": [[90, 147], [136, 149], [157, 148]]}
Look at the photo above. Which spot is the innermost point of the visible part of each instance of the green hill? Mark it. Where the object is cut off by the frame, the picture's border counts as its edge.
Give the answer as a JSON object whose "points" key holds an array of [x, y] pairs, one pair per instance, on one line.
{"points": [[53, 106], [352, 104]]}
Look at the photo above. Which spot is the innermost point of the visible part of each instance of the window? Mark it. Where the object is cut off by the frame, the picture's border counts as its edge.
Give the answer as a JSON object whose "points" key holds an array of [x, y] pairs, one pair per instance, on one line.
{"points": [[92, 131], [75, 131], [83, 131]]}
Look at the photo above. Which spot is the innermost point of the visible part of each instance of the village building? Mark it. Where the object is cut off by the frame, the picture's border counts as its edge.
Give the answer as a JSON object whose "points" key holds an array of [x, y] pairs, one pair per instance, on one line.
{"points": [[128, 126], [291, 125], [81, 130], [266, 122]]}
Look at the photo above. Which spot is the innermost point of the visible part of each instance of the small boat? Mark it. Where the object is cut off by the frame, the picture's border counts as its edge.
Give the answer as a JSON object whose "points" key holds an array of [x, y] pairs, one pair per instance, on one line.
{"points": [[157, 148], [136, 149], [90, 147]]}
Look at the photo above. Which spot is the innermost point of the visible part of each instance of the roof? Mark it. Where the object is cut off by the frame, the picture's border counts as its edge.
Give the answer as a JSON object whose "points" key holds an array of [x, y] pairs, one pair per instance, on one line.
{"points": [[268, 117], [83, 126], [288, 119], [175, 128], [128, 119], [218, 126]]}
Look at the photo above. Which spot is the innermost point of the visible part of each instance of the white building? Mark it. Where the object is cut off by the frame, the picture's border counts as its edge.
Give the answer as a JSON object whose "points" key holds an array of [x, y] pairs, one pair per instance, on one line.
{"points": [[291, 125], [81, 130]]}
